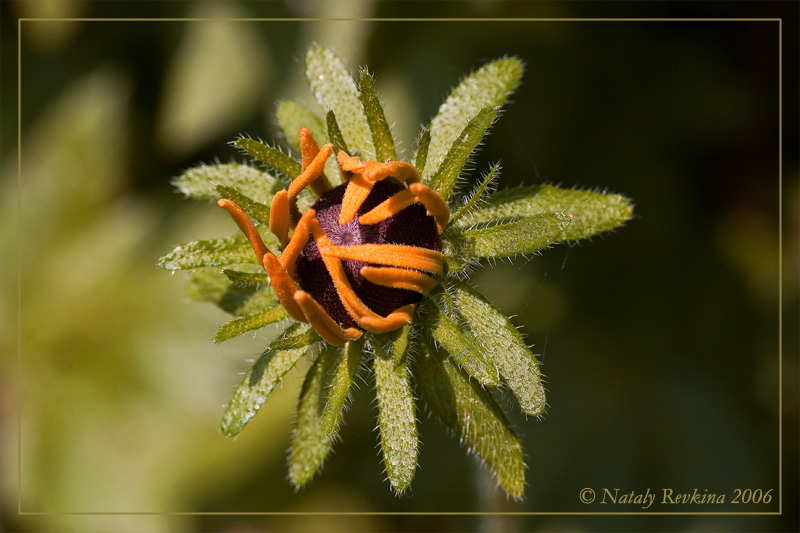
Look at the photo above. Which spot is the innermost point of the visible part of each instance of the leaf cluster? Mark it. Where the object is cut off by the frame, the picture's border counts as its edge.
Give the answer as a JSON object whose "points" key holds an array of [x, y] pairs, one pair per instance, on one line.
{"points": [[460, 347]]}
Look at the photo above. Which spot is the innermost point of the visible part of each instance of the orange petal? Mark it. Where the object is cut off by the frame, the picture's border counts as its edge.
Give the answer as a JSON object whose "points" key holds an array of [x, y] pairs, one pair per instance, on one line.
{"points": [[388, 207], [323, 323], [279, 216], [308, 146], [435, 204], [247, 227], [398, 255], [284, 286], [309, 150], [399, 278], [356, 192], [397, 319], [349, 163], [297, 242], [401, 170], [311, 172]]}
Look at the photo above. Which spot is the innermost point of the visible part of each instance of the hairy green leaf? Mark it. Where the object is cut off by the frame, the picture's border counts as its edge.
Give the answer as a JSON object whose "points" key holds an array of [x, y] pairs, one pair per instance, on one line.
{"points": [[488, 86], [592, 212], [256, 210], [461, 345], [259, 381], [472, 414], [239, 277], [421, 157], [444, 181], [397, 419], [215, 252], [295, 338], [292, 116], [340, 386], [472, 203], [524, 236], [211, 285], [270, 156], [236, 327], [310, 442], [381, 134], [201, 182], [335, 89], [517, 364]]}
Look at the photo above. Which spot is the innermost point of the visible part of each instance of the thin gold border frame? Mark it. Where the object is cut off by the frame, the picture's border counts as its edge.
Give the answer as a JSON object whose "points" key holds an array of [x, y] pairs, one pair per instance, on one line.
{"points": [[415, 513]]}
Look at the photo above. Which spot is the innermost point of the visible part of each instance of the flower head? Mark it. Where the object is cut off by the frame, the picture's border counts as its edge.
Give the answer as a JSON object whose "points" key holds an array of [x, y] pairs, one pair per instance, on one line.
{"points": [[365, 261]]}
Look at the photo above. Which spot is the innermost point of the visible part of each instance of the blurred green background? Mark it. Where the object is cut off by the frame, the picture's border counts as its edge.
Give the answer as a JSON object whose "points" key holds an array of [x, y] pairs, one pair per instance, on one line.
{"points": [[659, 342]]}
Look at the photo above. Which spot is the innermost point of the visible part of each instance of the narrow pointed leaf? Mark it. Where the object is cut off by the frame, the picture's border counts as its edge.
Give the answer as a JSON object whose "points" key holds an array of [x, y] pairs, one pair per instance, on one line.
{"points": [[296, 337], [421, 158], [592, 212], [475, 199], [381, 134], [444, 181], [201, 182], [214, 252], [524, 236], [292, 116], [256, 210], [259, 381], [210, 285], [473, 415], [239, 277], [335, 134], [270, 156], [461, 345], [397, 418], [340, 386], [310, 442], [236, 327], [335, 89], [488, 86], [517, 364]]}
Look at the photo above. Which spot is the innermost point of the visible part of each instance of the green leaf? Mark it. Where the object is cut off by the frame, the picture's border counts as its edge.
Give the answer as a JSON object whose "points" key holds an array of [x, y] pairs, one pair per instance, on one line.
{"points": [[296, 337], [471, 413], [336, 134], [259, 381], [444, 181], [517, 364], [476, 196], [489, 86], [340, 386], [310, 442], [256, 210], [292, 116], [421, 158], [397, 417], [236, 327], [461, 345], [335, 89], [524, 236], [215, 252], [381, 134], [237, 277], [270, 156], [211, 285], [592, 212], [201, 182]]}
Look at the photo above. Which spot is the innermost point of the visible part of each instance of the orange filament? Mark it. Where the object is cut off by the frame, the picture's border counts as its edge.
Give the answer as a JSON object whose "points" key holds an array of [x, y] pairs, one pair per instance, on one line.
{"points": [[435, 204], [388, 207], [399, 278], [322, 323], [298, 241]]}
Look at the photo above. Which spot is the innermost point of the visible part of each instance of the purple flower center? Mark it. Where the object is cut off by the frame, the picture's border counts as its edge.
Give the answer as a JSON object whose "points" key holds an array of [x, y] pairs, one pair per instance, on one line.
{"points": [[412, 227]]}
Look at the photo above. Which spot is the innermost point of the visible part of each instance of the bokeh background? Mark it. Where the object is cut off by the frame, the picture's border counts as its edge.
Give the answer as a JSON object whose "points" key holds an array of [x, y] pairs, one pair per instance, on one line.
{"points": [[660, 342]]}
